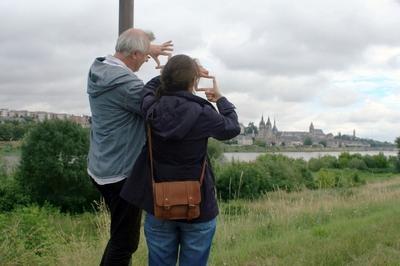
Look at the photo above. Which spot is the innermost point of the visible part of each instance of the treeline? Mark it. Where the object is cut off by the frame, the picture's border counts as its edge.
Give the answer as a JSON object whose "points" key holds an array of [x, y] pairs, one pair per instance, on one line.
{"points": [[277, 172], [14, 130]]}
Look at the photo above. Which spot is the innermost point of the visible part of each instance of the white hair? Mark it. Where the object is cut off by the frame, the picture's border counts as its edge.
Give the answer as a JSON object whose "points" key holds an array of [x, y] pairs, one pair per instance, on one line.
{"points": [[133, 40]]}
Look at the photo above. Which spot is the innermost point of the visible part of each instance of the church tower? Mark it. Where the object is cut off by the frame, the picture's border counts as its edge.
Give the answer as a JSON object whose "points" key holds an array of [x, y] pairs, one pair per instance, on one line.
{"points": [[274, 129], [261, 126], [268, 125], [311, 128]]}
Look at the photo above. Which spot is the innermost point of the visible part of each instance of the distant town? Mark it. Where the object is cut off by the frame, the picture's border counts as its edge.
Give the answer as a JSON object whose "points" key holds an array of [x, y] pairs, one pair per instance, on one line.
{"points": [[265, 134], [40, 116]]}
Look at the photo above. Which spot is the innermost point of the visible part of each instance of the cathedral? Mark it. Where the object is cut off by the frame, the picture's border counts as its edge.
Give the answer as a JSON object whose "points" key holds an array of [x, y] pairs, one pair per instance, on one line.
{"points": [[272, 136]]}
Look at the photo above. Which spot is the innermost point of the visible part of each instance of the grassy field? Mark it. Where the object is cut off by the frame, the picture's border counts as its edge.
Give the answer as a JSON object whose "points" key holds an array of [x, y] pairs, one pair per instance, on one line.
{"points": [[357, 226], [10, 153]]}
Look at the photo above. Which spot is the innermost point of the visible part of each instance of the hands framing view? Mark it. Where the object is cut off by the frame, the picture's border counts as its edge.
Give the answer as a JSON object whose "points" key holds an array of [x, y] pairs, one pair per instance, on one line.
{"points": [[165, 49]]}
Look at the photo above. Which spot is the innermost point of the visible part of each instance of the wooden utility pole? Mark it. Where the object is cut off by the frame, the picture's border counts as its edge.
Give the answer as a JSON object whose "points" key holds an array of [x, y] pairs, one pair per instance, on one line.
{"points": [[125, 15]]}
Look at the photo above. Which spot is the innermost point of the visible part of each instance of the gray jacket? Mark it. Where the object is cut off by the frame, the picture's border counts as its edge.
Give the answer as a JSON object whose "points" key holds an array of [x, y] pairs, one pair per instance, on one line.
{"points": [[117, 132]]}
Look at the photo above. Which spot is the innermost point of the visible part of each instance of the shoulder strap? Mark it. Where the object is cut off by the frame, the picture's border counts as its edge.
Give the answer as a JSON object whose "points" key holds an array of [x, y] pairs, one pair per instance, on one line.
{"points": [[203, 170], [149, 145]]}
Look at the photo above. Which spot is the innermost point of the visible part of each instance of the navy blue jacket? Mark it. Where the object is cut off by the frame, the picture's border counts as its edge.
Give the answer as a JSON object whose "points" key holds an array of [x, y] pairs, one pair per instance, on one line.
{"points": [[181, 124]]}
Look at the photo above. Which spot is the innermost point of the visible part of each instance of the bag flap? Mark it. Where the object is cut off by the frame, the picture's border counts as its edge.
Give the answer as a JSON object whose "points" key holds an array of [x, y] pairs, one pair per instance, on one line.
{"points": [[177, 193]]}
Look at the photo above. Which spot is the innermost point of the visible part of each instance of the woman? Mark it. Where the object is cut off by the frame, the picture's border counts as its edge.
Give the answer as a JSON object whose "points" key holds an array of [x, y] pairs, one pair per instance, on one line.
{"points": [[181, 124]]}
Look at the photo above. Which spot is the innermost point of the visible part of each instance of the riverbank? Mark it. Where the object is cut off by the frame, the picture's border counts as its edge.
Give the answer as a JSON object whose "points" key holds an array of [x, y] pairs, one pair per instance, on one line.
{"points": [[255, 148], [305, 155]]}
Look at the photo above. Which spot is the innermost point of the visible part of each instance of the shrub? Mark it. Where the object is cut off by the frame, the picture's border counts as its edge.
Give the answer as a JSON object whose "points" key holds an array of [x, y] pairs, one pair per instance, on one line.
{"points": [[327, 161], [241, 180], [260, 143], [328, 178], [325, 179], [215, 149], [53, 165], [267, 173], [369, 161], [380, 160], [285, 173], [13, 130], [343, 160], [357, 163], [11, 194]]}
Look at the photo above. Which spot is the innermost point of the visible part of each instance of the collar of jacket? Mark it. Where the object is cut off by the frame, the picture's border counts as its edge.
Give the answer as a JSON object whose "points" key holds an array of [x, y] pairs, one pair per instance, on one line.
{"points": [[189, 96]]}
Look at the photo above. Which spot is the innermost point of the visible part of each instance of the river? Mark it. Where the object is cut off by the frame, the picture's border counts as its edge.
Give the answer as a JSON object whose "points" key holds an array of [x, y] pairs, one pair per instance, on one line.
{"points": [[251, 156]]}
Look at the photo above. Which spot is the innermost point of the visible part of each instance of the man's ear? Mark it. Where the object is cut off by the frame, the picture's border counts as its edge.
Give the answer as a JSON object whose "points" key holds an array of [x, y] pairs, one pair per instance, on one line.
{"points": [[134, 54]]}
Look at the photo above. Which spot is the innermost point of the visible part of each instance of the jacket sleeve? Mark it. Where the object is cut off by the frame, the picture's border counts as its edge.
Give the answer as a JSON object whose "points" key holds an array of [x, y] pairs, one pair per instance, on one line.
{"points": [[223, 125], [133, 96], [149, 93]]}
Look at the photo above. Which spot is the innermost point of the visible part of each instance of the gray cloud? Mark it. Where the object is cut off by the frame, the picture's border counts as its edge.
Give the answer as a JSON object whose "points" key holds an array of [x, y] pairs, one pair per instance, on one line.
{"points": [[294, 38], [271, 57]]}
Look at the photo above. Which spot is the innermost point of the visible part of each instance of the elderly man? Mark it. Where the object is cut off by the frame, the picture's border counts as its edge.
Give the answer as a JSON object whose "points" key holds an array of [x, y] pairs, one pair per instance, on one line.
{"points": [[118, 135]]}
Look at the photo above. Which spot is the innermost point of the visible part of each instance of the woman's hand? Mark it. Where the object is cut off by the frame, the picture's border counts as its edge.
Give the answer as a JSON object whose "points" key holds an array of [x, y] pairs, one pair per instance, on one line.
{"points": [[213, 94]]}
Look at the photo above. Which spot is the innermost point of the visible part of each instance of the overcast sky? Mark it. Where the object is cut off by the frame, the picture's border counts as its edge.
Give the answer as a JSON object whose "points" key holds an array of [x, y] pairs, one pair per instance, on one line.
{"points": [[335, 63]]}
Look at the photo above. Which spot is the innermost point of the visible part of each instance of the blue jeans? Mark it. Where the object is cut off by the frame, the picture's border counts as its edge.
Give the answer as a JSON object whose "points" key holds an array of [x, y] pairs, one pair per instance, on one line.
{"points": [[164, 239]]}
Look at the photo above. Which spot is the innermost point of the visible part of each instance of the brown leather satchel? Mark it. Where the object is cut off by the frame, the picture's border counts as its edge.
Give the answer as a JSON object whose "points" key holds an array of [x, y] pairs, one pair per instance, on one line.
{"points": [[175, 199]]}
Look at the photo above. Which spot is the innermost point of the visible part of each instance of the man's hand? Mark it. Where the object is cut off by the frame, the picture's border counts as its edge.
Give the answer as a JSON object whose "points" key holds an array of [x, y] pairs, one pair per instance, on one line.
{"points": [[164, 49], [213, 94]]}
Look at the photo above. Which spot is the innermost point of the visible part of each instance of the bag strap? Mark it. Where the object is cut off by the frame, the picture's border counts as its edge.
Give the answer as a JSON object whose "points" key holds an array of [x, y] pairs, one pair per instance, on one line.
{"points": [[203, 170], [150, 152], [150, 146]]}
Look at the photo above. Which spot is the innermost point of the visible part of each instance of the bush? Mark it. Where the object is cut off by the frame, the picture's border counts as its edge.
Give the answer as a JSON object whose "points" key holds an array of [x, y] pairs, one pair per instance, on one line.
{"points": [[357, 163], [369, 161], [267, 173], [327, 161], [380, 160], [241, 180], [11, 194], [326, 178], [13, 130], [285, 173], [260, 143], [215, 149], [53, 166], [343, 160]]}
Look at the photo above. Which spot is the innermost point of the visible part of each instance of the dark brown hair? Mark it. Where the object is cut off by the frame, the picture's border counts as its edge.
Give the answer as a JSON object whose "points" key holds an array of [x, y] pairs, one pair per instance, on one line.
{"points": [[178, 74]]}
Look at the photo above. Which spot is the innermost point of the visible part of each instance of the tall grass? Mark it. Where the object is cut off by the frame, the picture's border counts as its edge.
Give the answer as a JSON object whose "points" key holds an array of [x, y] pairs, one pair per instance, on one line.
{"points": [[357, 226], [348, 226]]}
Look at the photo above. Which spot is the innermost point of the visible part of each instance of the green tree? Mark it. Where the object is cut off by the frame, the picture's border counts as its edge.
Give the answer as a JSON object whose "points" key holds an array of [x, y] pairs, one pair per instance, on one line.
{"points": [[251, 128], [13, 130], [53, 166], [307, 141], [323, 143], [261, 143], [6, 133]]}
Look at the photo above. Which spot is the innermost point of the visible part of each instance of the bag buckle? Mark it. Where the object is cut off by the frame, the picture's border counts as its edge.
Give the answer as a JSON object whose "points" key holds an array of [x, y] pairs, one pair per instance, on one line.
{"points": [[167, 207]]}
